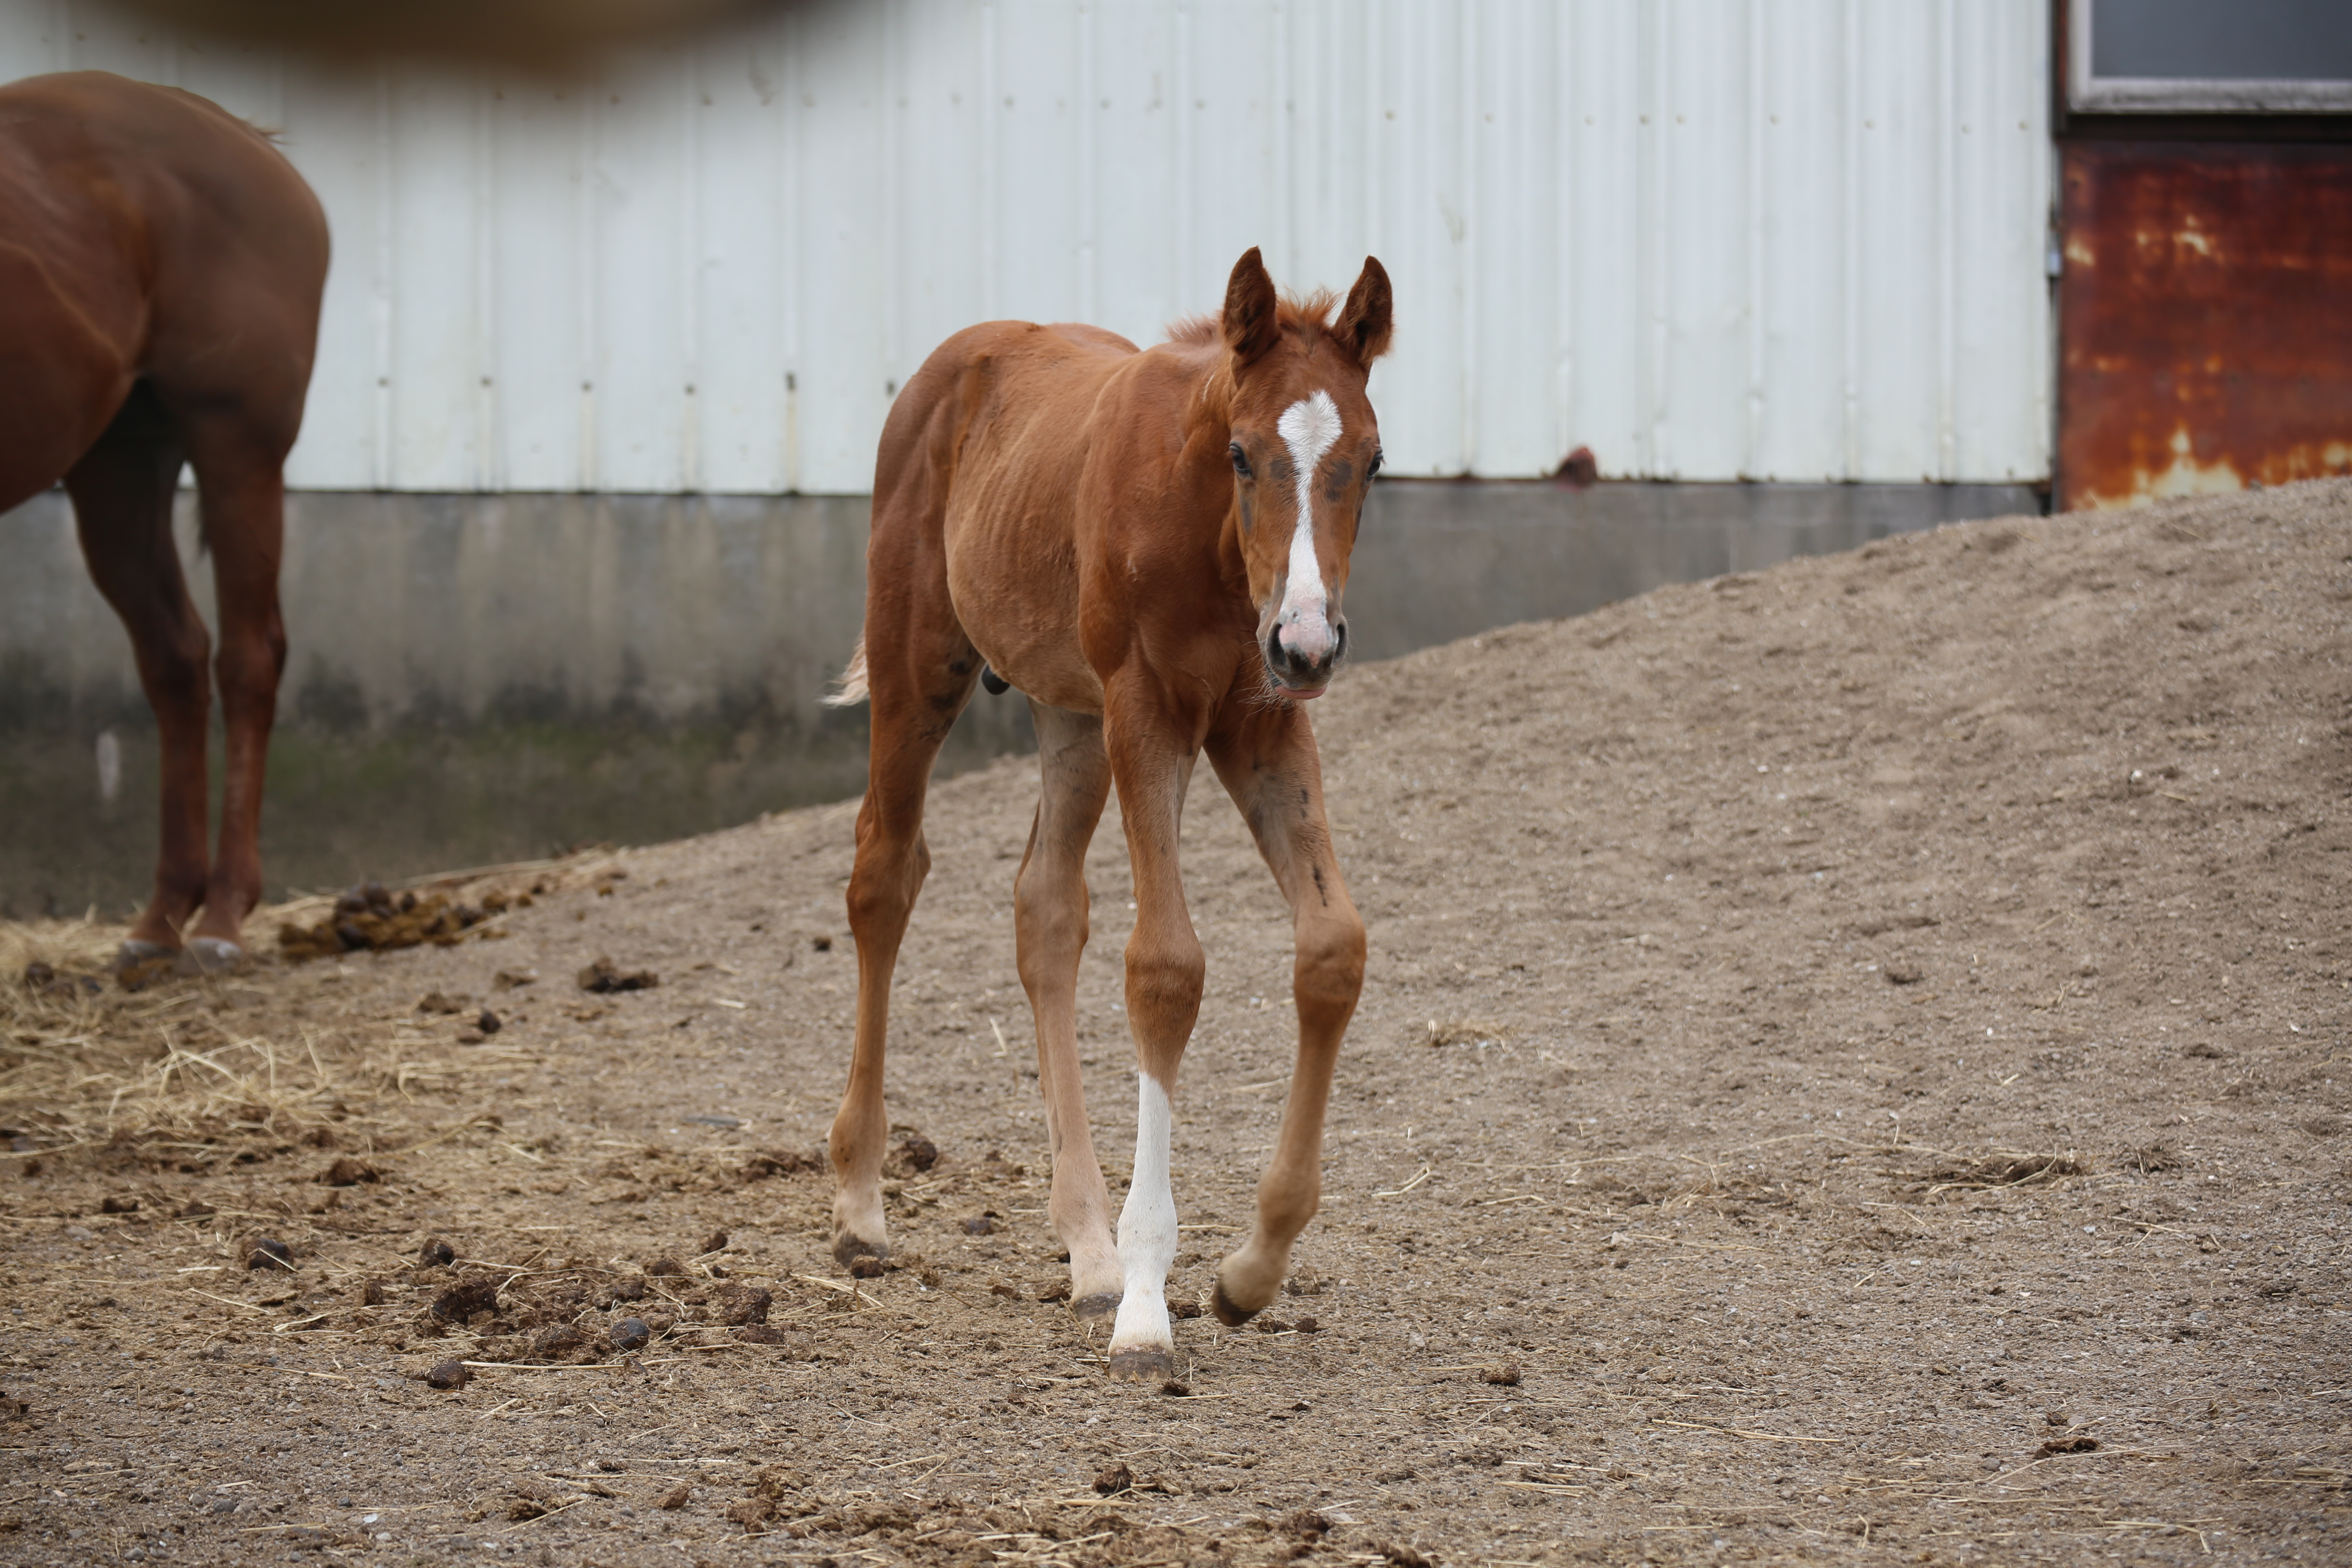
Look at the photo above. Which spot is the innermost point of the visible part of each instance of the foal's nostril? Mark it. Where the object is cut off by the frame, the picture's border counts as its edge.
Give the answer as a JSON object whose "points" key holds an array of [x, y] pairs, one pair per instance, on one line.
{"points": [[1338, 641]]}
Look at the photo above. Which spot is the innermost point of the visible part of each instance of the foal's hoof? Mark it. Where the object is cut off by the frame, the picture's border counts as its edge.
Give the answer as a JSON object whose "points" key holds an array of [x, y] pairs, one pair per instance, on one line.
{"points": [[1093, 1308], [212, 956], [1229, 1314], [848, 1247], [1145, 1364], [133, 955]]}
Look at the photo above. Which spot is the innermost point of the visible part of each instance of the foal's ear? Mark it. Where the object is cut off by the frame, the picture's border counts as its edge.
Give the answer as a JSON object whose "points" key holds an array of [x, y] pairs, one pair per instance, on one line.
{"points": [[1364, 324], [1249, 321]]}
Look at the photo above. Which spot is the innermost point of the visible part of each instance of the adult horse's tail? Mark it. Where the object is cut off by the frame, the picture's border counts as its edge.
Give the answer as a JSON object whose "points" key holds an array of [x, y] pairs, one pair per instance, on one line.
{"points": [[850, 689]]}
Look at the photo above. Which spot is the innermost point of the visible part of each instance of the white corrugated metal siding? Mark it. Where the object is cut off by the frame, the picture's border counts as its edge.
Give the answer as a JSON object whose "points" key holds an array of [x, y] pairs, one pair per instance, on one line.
{"points": [[1711, 239]]}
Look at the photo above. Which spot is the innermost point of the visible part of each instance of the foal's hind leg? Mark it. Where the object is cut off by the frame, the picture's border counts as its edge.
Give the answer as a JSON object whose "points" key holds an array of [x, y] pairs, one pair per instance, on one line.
{"points": [[919, 669], [1270, 768], [121, 491], [1050, 905]]}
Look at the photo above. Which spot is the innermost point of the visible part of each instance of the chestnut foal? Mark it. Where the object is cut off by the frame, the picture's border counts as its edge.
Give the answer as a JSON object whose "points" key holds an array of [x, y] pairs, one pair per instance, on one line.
{"points": [[1152, 546], [160, 265]]}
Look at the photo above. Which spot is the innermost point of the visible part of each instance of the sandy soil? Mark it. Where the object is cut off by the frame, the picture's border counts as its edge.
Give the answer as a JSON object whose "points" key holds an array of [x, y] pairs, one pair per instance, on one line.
{"points": [[1853, 1066]]}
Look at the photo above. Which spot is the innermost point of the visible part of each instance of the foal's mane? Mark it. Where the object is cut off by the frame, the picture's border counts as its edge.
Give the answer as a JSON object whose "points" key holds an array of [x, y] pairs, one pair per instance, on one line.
{"points": [[1309, 316]]}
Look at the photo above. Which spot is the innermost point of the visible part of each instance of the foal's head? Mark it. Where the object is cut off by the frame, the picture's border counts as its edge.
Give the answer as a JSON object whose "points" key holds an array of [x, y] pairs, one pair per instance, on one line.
{"points": [[1303, 446]]}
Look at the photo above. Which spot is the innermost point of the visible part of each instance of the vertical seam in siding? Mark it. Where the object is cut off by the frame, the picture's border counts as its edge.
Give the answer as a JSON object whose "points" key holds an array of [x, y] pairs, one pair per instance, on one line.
{"points": [[382, 301], [1850, 201], [788, 241], [1180, 130], [1086, 128], [1654, 232], [689, 283], [1470, 163], [1946, 238], [2043, 162], [1285, 262], [1752, 462], [991, 286], [1564, 269], [889, 190], [489, 472], [591, 459]]}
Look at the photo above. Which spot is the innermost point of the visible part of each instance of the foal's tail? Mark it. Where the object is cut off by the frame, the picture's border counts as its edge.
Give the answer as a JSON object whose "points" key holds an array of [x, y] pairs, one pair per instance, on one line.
{"points": [[850, 689]]}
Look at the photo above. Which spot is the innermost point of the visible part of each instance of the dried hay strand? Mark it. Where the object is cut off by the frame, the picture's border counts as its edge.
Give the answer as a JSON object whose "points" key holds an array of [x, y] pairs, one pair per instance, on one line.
{"points": [[169, 1073], [2007, 1169]]}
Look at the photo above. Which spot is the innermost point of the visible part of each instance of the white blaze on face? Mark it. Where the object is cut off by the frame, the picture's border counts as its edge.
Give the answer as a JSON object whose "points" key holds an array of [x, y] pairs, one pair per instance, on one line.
{"points": [[1146, 1226], [1310, 427]]}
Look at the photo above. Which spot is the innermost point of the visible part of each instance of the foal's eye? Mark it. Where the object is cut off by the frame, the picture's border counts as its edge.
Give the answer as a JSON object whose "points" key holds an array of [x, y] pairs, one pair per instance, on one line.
{"points": [[1241, 460], [1378, 458]]}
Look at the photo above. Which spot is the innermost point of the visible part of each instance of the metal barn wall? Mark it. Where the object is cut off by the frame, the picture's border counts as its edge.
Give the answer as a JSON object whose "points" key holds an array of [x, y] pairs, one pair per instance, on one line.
{"points": [[1711, 239]]}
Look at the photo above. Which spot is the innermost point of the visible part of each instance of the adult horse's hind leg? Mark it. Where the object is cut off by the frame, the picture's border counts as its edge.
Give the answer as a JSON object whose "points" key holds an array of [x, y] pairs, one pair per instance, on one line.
{"points": [[241, 488], [1270, 768], [121, 491], [919, 671], [1050, 905]]}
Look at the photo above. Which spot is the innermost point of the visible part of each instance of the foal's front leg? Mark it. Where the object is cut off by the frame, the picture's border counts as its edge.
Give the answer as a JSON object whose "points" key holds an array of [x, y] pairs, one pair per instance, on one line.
{"points": [[1164, 970], [1271, 770], [1049, 905]]}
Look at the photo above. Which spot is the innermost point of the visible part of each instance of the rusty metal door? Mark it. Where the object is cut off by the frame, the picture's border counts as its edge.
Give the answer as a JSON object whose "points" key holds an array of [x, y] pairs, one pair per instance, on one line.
{"points": [[2205, 317]]}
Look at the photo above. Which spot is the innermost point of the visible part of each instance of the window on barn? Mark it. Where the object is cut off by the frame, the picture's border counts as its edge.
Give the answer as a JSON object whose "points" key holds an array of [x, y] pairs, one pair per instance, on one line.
{"points": [[2199, 57]]}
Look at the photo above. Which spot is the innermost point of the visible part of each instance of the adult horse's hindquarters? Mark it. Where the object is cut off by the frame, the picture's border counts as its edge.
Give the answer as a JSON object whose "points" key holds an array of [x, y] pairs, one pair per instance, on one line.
{"points": [[1153, 547], [160, 265]]}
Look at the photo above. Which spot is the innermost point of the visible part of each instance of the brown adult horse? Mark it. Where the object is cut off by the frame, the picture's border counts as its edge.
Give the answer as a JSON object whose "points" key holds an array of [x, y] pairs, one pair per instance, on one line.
{"points": [[159, 271], [1152, 546]]}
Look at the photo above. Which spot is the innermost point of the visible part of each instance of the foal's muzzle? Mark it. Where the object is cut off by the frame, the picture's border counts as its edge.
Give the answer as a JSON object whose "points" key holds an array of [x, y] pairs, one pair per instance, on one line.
{"points": [[1304, 674]]}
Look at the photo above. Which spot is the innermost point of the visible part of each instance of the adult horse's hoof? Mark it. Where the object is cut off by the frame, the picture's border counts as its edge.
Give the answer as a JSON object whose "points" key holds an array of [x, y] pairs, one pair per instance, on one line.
{"points": [[1229, 1314], [848, 1247], [212, 956], [132, 955], [1093, 1308], [1144, 1363]]}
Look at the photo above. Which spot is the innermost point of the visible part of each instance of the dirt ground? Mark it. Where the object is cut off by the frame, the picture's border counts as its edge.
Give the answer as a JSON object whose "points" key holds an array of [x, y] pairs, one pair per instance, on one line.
{"points": [[1854, 1068]]}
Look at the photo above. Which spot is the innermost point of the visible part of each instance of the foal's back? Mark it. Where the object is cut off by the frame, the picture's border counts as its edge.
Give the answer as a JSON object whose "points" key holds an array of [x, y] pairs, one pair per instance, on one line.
{"points": [[981, 474]]}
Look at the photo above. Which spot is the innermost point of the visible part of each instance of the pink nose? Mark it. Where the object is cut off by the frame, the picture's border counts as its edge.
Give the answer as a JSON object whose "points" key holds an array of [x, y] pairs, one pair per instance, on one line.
{"points": [[1307, 642]]}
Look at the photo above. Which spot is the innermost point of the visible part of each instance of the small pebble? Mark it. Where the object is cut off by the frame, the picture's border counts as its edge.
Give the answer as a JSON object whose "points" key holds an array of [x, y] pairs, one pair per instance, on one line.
{"points": [[437, 1254], [449, 1374], [979, 1224], [268, 1252], [490, 1023], [631, 1334]]}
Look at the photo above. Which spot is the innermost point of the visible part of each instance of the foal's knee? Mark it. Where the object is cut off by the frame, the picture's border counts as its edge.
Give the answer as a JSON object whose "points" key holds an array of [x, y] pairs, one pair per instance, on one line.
{"points": [[883, 884], [1165, 976], [1050, 925], [1329, 970]]}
